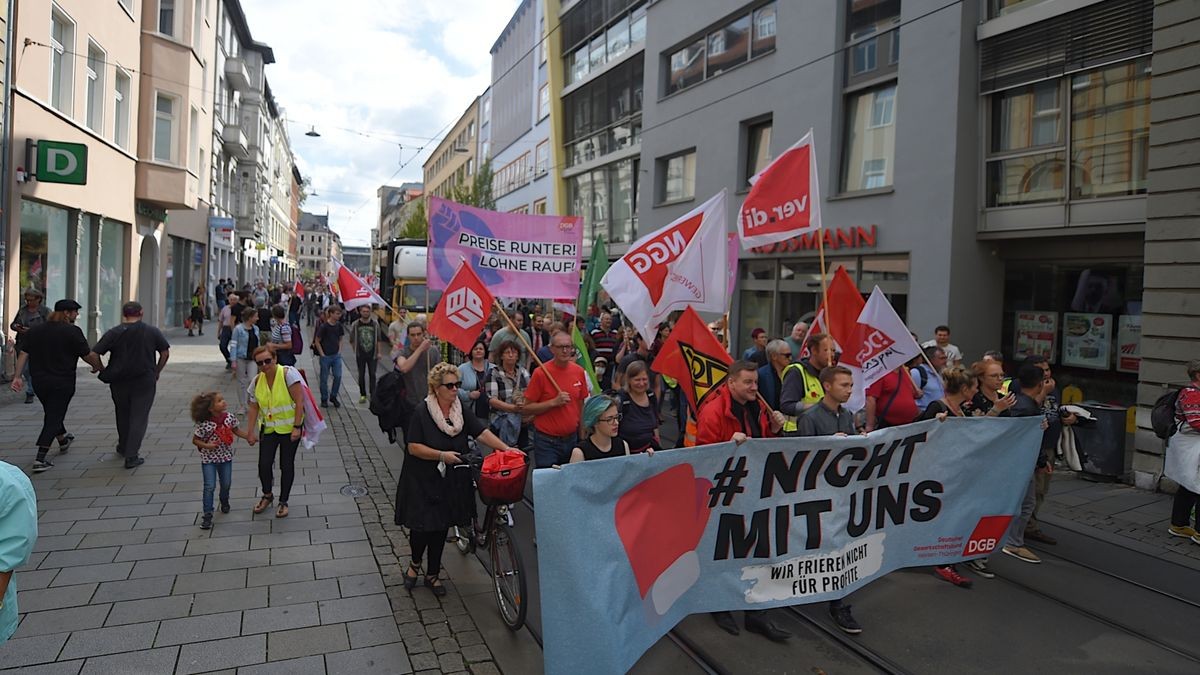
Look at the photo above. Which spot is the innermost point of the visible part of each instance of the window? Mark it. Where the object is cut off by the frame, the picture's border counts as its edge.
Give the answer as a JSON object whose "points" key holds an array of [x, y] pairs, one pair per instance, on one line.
{"points": [[1001, 7], [164, 128], [872, 39], [637, 25], [679, 177], [870, 135], [687, 66], [542, 47], [597, 32], [194, 141], [729, 46], [94, 117], [618, 37], [166, 17], [197, 24], [539, 207], [542, 158], [758, 149], [744, 37], [62, 71], [764, 31], [544, 102], [606, 198], [121, 109], [1110, 130]]}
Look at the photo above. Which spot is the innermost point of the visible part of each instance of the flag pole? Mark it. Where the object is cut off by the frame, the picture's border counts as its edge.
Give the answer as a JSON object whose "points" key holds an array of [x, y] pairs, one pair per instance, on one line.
{"points": [[821, 253], [521, 337]]}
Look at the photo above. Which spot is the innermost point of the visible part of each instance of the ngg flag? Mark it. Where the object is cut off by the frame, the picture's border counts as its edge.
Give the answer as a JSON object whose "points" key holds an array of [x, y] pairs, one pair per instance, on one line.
{"points": [[682, 264], [881, 344], [516, 255], [463, 311], [785, 198], [694, 357], [352, 290], [637, 543]]}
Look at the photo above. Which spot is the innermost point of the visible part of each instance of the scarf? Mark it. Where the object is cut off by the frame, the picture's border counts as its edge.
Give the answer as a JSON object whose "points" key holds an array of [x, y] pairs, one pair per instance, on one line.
{"points": [[452, 425]]}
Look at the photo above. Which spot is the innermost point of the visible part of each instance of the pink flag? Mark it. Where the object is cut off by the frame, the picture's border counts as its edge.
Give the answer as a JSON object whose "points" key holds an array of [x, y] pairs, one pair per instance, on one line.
{"points": [[881, 344], [353, 290]]}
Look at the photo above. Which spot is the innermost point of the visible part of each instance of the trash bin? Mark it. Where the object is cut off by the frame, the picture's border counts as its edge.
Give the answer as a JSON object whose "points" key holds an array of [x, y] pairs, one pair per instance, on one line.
{"points": [[1102, 445]]}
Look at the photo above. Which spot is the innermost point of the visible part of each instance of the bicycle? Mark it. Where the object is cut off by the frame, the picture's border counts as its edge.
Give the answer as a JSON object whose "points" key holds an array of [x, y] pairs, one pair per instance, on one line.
{"points": [[495, 533]]}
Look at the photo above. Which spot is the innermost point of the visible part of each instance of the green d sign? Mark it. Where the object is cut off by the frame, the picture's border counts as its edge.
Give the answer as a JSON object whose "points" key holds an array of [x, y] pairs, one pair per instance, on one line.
{"points": [[59, 162]]}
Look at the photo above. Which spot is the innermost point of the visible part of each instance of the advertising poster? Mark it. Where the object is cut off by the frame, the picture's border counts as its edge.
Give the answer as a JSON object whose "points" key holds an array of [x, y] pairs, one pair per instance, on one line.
{"points": [[1087, 340], [1129, 343], [1036, 333]]}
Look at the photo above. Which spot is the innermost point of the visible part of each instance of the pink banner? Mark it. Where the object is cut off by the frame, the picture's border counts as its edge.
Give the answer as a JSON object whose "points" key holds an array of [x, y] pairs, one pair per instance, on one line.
{"points": [[515, 255]]}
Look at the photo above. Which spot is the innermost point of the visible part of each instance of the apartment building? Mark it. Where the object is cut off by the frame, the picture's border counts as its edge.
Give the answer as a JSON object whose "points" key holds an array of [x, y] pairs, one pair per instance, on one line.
{"points": [[317, 245], [454, 162], [396, 204]]}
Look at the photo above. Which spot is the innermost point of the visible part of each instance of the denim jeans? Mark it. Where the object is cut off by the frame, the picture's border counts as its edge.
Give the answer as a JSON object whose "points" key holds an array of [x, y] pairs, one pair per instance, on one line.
{"points": [[331, 364], [28, 380], [224, 470], [551, 450], [1016, 529]]}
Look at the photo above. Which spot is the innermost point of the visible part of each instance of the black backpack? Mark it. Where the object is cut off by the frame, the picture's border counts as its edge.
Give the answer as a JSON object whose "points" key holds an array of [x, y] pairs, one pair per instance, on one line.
{"points": [[390, 404], [1163, 416]]}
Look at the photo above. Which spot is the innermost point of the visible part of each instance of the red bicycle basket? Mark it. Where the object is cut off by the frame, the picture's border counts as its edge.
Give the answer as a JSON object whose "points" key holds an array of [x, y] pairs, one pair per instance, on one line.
{"points": [[502, 477]]}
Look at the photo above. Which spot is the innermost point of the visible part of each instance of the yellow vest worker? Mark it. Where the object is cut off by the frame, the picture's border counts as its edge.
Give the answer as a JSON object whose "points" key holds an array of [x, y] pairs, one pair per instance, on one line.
{"points": [[813, 392]]}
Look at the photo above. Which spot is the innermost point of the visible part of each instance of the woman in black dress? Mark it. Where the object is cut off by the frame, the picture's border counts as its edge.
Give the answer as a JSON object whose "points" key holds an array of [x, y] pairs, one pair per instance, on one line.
{"points": [[432, 495]]}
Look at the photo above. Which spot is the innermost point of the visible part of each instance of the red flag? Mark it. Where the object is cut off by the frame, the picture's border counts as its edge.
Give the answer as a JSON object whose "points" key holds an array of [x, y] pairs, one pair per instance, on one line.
{"points": [[845, 306], [353, 290], [463, 311], [881, 343], [299, 289], [694, 357], [785, 200]]}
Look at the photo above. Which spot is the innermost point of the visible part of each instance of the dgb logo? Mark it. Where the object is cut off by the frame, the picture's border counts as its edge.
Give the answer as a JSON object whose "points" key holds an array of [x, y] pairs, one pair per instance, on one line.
{"points": [[987, 535]]}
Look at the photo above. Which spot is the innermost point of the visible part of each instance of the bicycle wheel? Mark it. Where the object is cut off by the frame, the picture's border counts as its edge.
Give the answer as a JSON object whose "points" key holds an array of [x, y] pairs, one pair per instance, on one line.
{"points": [[508, 577]]}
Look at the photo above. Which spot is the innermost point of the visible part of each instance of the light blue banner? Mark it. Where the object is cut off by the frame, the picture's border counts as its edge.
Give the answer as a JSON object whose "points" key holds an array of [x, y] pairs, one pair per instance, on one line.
{"points": [[629, 546]]}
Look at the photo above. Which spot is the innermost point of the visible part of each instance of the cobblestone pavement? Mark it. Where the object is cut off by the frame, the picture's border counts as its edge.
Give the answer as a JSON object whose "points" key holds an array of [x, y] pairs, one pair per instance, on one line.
{"points": [[124, 581]]}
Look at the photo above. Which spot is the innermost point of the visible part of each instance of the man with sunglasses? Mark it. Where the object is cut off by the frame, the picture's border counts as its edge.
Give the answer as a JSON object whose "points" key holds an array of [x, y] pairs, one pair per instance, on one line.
{"points": [[555, 399]]}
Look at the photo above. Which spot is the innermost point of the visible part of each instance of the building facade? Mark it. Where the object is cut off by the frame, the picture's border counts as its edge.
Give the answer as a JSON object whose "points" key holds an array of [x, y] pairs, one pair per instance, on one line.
{"points": [[318, 245], [454, 162], [396, 204]]}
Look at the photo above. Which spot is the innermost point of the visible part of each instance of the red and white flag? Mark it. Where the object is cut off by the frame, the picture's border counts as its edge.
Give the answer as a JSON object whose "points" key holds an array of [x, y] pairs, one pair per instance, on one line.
{"points": [[785, 198], [299, 289], [817, 327], [881, 344], [462, 314], [680, 265], [353, 290]]}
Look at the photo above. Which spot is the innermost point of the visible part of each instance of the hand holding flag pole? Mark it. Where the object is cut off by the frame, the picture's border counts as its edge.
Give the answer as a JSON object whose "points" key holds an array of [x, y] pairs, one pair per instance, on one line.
{"points": [[521, 337]]}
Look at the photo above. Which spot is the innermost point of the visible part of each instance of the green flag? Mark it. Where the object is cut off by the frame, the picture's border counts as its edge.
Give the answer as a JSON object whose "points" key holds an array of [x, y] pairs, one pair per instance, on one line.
{"points": [[583, 358], [597, 266]]}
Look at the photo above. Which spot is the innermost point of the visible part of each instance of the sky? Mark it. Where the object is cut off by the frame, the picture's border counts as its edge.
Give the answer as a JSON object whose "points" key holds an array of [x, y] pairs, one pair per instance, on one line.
{"points": [[398, 71]]}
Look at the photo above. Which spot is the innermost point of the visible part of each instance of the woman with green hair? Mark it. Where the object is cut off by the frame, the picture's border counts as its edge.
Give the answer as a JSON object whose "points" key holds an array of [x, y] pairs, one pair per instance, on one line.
{"points": [[601, 417]]}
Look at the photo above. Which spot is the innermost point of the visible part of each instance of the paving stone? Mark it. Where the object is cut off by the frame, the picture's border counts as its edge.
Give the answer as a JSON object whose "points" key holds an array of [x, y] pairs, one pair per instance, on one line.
{"points": [[309, 665], [475, 653], [227, 601], [170, 549], [198, 628], [201, 657], [346, 566], [61, 542], [361, 584], [146, 661], [451, 663], [25, 651], [63, 620], [437, 630], [63, 515], [468, 638], [338, 534], [286, 617], [417, 645], [445, 645], [230, 544], [279, 540], [115, 525], [290, 644], [390, 659], [280, 574], [295, 554], [119, 538], [60, 668], [291, 524], [303, 591], [179, 533], [425, 661], [113, 640], [167, 567], [150, 609], [353, 609], [172, 520], [209, 581], [133, 589], [87, 556], [238, 559], [32, 600], [372, 632], [485, 668], [133, 510], [31, 579]]}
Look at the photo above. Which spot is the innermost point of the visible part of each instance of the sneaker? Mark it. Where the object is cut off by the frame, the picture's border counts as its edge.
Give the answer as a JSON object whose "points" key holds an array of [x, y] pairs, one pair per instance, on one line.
{"points": [[28, 398], [134, 462], [1196, 538], [324, 404], [950, 574], [1021, 553], [1182, 531], [65, 444], [362, 399], [1040, 537], [40, 465], [206, 522], [224, 507], [979, 566], [335, 402], [844, 619]]}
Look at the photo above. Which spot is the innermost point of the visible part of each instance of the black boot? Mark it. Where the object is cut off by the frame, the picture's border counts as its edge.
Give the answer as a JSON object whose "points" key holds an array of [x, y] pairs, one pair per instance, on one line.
{"points": [[726, 622], [760, 622]]}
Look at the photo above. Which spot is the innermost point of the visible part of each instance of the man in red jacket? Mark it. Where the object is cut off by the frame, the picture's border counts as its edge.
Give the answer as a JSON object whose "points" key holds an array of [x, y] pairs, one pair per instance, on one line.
{"points": [[735, 413]]}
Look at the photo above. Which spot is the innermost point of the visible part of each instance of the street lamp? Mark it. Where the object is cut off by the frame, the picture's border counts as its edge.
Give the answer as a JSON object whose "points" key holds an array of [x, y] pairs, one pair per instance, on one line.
{"points": [[312, 132]]}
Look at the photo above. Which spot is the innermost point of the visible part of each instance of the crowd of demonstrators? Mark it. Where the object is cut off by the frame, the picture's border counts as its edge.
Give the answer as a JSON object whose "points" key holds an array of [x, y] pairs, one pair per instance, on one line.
{"points": [[925, 372]]}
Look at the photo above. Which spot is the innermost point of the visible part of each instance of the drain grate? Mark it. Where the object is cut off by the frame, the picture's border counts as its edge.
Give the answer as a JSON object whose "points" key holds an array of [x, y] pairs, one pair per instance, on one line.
{"points": [[354, 490]]}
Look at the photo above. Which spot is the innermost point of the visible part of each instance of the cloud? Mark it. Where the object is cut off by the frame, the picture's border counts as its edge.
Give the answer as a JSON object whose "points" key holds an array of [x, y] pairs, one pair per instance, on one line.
{"points": [[397, 70]]}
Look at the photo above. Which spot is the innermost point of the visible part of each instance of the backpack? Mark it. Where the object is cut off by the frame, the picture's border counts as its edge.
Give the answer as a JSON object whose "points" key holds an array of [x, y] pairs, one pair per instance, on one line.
{"points": [[297, 339], [924, 375], [390, 403], [1163, 415]]}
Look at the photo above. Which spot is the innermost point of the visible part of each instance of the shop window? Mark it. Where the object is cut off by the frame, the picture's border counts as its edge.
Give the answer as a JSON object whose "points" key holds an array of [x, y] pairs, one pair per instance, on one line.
{"points": [[870, 139], [44, 247]]}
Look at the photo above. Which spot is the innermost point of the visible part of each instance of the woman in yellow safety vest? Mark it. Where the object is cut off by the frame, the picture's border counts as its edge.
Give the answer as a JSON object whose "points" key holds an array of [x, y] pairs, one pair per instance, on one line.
{"points": [[278, 394]]}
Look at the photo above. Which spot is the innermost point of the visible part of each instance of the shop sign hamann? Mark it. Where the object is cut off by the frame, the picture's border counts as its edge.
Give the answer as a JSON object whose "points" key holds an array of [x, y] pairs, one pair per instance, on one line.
{"points": [[842, 237]]}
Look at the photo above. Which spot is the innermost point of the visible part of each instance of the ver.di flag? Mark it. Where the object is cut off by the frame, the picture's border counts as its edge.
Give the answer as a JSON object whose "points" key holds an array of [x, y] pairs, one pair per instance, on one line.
{"points": [[694, 357], [881, 344], [785, 198], [463, 311], [352, 290], [680, 265]]}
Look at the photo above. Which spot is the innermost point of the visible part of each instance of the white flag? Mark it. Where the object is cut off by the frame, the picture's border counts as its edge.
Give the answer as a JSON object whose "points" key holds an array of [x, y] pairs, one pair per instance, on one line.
{"points": [[881, 344], [679, 265], [353, 290]]}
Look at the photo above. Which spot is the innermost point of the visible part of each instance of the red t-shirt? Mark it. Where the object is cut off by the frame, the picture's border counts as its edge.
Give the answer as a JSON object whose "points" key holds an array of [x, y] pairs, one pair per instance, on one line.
{"points": [[903, 408], [562, 420]]}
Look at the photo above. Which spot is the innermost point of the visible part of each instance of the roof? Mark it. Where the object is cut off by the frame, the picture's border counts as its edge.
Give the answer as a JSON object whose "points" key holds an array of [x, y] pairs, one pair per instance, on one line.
{"points": [[238, 17], [512, 22]]}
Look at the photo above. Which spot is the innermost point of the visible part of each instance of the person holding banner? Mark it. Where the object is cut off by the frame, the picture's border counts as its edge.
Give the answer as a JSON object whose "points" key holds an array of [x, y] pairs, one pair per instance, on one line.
{"points": [[1028, 404], [601, 420], [829, 418], [892, 400], [555, 399], [732, 412]]}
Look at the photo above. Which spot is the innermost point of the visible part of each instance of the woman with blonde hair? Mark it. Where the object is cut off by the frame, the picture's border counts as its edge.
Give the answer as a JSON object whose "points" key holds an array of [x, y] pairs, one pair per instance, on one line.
{"points": [[431, 496]]}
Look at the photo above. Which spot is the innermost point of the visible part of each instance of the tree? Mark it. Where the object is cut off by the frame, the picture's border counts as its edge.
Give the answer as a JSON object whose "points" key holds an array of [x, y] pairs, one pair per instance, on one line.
{"points": [[417, 224], [479, 192]]}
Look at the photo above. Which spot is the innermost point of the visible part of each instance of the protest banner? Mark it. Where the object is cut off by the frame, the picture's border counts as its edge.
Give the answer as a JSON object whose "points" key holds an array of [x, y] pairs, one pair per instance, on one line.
{"points": [[629, 546], [516, 255], [880, 344]]}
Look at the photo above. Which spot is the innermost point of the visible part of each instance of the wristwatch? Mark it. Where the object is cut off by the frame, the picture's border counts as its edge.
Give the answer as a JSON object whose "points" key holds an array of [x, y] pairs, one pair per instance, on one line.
{"points": [[298, 426]]}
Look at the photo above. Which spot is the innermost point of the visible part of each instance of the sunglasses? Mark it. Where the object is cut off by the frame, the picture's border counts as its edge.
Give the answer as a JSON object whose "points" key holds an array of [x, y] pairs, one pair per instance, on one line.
{"points": [[265, 362], [451, 385]]}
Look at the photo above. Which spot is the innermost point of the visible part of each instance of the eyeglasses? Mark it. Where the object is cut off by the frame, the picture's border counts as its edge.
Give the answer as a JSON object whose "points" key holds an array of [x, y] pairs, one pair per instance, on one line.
{"points": [[610, 418], [265, 362], [451, 385], [566, 348]]}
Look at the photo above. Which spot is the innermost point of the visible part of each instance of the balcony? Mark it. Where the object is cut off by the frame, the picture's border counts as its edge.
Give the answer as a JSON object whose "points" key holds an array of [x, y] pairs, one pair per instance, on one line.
{"points": [[237, 74], [165, 185], [234, 141]]}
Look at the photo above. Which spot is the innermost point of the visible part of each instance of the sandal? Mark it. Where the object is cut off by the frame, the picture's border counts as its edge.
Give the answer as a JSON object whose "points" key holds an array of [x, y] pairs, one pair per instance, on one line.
{"points": [[282, 511], [410, 582], [264, 503], [435, 584]]}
